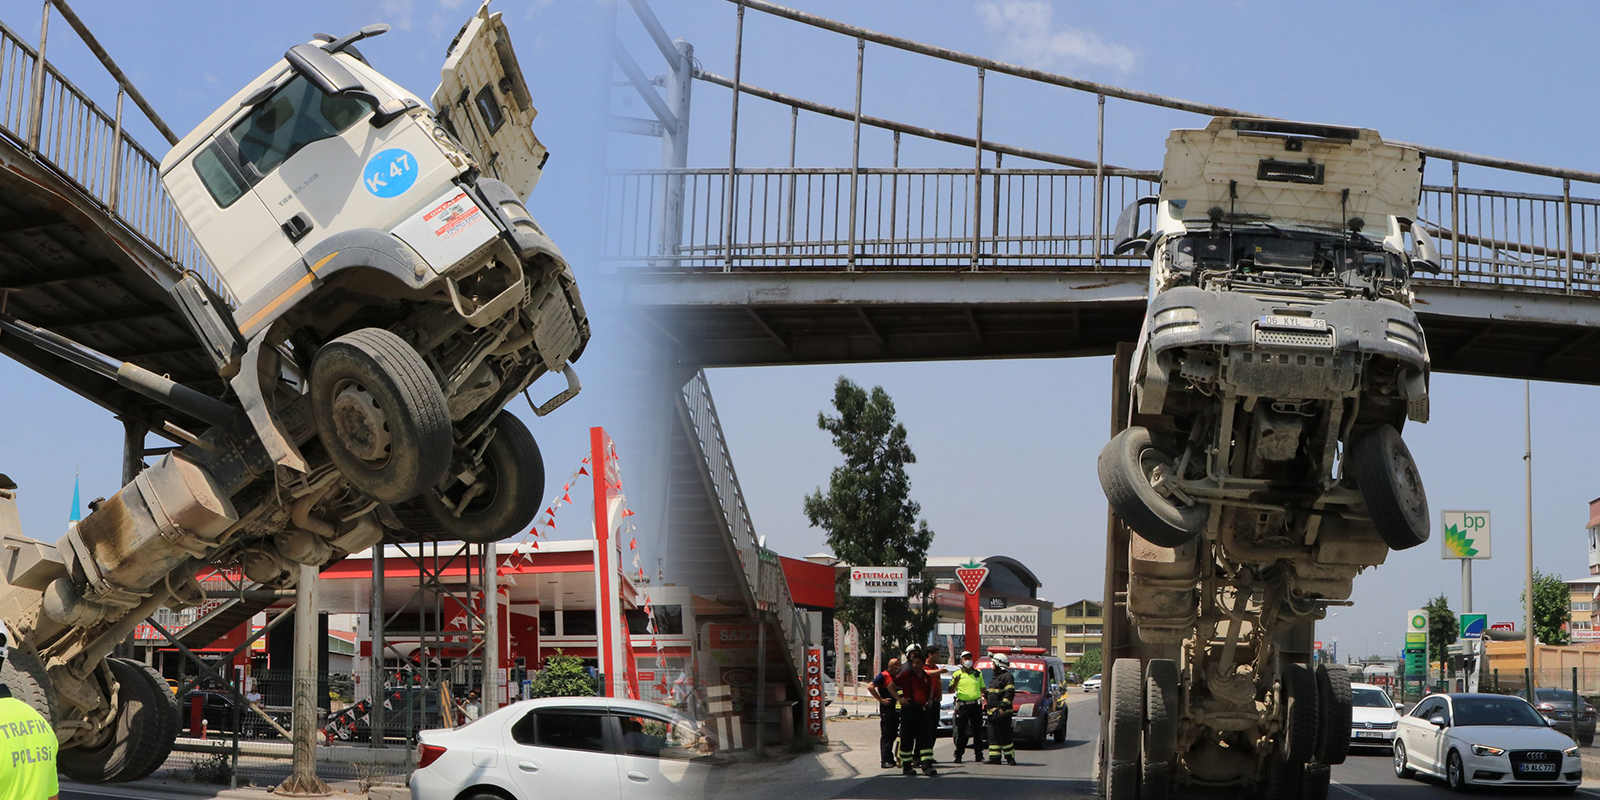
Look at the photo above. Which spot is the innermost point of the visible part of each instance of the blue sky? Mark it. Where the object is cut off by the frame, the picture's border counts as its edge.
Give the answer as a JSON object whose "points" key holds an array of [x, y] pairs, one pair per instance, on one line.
{"points": [[188, 57], [1006, 449]]}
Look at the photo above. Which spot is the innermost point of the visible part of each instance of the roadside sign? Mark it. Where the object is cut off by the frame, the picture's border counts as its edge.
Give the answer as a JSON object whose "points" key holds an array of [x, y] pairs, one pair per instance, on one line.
{"points": [[1466, 534], [879, 582], [1416, 644], [1503, 626], [1473, 625]]}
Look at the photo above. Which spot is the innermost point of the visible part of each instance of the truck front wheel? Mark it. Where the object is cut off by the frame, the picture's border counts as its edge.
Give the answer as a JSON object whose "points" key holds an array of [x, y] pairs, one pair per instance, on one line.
{"points": [[380, 414], [141, 737], [1131, 468], [1390, 486], [505, 498]]}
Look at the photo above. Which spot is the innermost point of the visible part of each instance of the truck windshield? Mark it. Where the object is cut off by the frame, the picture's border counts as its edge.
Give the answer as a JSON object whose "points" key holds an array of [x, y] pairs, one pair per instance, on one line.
{"points": [[294, 116]]}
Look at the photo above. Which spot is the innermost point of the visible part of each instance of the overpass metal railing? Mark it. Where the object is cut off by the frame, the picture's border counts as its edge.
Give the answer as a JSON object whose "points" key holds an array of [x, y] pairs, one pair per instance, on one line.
{"points": [[57, 123], [770, 595], [1035, 219], [905, 218]]}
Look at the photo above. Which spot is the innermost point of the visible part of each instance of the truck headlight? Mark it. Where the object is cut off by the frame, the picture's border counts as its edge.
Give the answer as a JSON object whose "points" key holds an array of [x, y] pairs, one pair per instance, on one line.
{"points": [[1485, 750], [1182, 317]]}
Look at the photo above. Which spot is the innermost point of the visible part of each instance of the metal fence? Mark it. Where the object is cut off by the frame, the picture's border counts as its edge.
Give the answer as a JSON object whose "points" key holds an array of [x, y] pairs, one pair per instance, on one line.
{"points": [[905, 218], [56, 122]]}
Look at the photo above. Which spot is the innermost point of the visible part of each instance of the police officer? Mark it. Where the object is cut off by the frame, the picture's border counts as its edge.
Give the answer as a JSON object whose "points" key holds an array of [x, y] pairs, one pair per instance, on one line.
{"points": [[882, 690], [27, 745], [1000, 693], [916, 692], [968, 686]]}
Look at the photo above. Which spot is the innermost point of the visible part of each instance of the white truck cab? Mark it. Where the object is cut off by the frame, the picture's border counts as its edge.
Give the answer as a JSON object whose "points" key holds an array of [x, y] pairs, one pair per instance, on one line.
{"points": [[332, 201]]}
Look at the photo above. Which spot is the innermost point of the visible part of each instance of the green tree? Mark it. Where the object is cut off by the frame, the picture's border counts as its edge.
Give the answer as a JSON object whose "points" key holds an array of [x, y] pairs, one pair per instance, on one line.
{"points": [[1442, 630], [563, 676], [1552, 608], [1089, 664], [868, 513]]}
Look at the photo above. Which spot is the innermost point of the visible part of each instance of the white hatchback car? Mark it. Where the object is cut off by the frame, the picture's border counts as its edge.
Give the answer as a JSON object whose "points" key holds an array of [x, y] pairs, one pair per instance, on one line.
{"points": [[1374, 717], [1485, 740], [593, 748]]}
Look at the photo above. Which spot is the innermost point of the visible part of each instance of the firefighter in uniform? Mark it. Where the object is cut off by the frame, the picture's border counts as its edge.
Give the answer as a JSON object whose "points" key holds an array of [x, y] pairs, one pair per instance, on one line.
{"points": [[1000, 693], [967, 684], [882, 690], [27, 745], [935, 672], [917, 692]]}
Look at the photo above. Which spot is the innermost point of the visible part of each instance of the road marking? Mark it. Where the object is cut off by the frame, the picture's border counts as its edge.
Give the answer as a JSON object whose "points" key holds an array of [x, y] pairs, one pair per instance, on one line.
{"points": [[1352, 792]]}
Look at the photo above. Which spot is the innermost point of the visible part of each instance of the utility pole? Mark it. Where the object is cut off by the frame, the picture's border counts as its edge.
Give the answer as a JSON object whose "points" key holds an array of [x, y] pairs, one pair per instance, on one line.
{"points": [[1527, 459]]}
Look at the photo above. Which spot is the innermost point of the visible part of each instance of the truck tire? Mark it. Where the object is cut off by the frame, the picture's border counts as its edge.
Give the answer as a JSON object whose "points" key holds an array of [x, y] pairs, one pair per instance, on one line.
{"points": [[1390, 486], [1155, 778], [514, 471], [141, 736], [1333, 700], [1314, 782], [380, 414], [1127, 711], [1301, 722], [1161, 710], [1125, 466], [1283, 781], [1122, 781], [24, 674]]}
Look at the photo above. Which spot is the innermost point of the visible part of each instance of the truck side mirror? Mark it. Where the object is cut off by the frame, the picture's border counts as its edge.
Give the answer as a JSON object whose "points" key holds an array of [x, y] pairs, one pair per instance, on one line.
{"points": [[1424, 258], [1129, 235]]}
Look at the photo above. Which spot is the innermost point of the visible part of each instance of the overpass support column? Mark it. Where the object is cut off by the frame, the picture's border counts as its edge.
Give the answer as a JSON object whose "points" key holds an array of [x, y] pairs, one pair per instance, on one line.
{"points": [[303, 780]]}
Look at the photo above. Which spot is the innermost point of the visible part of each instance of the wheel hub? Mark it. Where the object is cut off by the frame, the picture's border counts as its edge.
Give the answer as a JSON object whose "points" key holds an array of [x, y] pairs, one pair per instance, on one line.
{"points": [[362, 427]]}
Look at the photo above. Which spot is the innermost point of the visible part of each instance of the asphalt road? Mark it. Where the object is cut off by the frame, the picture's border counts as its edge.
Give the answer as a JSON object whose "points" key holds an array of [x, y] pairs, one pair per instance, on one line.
{"points": [[1067, 771]]}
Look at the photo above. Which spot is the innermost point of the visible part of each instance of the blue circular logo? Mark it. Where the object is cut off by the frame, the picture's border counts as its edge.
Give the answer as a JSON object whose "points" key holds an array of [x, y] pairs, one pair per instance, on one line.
{"points": [[390, 172]]}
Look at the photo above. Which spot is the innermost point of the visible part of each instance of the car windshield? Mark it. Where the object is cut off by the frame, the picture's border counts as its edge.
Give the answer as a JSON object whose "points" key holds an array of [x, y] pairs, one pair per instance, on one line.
{"points": [[944, 684], [1496, 711], [1026, 680], [1553, 695], [1370, 698]]}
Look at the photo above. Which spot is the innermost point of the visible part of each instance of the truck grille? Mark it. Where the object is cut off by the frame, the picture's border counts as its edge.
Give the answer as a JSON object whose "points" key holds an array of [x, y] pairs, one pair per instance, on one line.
{"points": [[1535, 765], [1280, 338]]}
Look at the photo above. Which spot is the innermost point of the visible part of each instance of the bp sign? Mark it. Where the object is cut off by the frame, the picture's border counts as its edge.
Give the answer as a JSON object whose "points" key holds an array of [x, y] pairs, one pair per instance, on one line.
{"points": [[1473, 625], [1466, 534]]}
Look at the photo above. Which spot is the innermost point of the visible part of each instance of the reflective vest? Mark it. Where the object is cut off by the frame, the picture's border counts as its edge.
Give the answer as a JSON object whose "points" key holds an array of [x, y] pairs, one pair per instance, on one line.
{"points": [[27, 753], [967, 684]]}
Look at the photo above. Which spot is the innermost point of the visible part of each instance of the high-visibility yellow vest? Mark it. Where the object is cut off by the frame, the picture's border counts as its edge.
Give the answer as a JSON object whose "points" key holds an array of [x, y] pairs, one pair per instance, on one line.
{"points": [[27, 753], [968, 685]]}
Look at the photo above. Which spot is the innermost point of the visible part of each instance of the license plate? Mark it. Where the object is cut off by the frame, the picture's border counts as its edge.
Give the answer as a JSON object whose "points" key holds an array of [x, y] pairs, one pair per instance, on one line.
{"points": [[1536, 768], [1368, 735], [1300, 323]]}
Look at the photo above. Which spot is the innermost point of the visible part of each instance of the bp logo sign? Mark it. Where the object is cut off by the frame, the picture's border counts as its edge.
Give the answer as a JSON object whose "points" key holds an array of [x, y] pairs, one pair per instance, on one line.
{"points": [[1419, 622], [1466, 534]]}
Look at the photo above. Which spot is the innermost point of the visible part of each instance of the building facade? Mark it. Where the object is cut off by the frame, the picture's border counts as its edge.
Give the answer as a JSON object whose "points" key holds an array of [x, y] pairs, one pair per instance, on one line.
{"points": [[1076, 629]]}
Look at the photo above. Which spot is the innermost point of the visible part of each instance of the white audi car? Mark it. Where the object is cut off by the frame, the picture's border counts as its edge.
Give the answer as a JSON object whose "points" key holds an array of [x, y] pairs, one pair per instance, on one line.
{"points": [[579, 748], [1374, 717], [1485, 740]]}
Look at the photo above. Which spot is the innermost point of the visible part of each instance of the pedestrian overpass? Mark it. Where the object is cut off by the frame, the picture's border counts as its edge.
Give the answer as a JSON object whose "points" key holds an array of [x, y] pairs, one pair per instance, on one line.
{"points": [[1002, 251]]}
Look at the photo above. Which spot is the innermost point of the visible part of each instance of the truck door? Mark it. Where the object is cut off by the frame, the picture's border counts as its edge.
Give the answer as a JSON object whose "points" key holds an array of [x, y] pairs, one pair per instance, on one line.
{"points": [[483, 99], [324, 168], [229, 222]]}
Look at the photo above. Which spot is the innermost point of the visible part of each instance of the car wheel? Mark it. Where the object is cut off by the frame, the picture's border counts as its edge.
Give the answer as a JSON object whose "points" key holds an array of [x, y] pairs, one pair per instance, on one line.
{"points": [[1129, 466], [513, 477], [1390, 486], [1453, 773], [1401, 768], [1061, 731], [380, 414]]}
